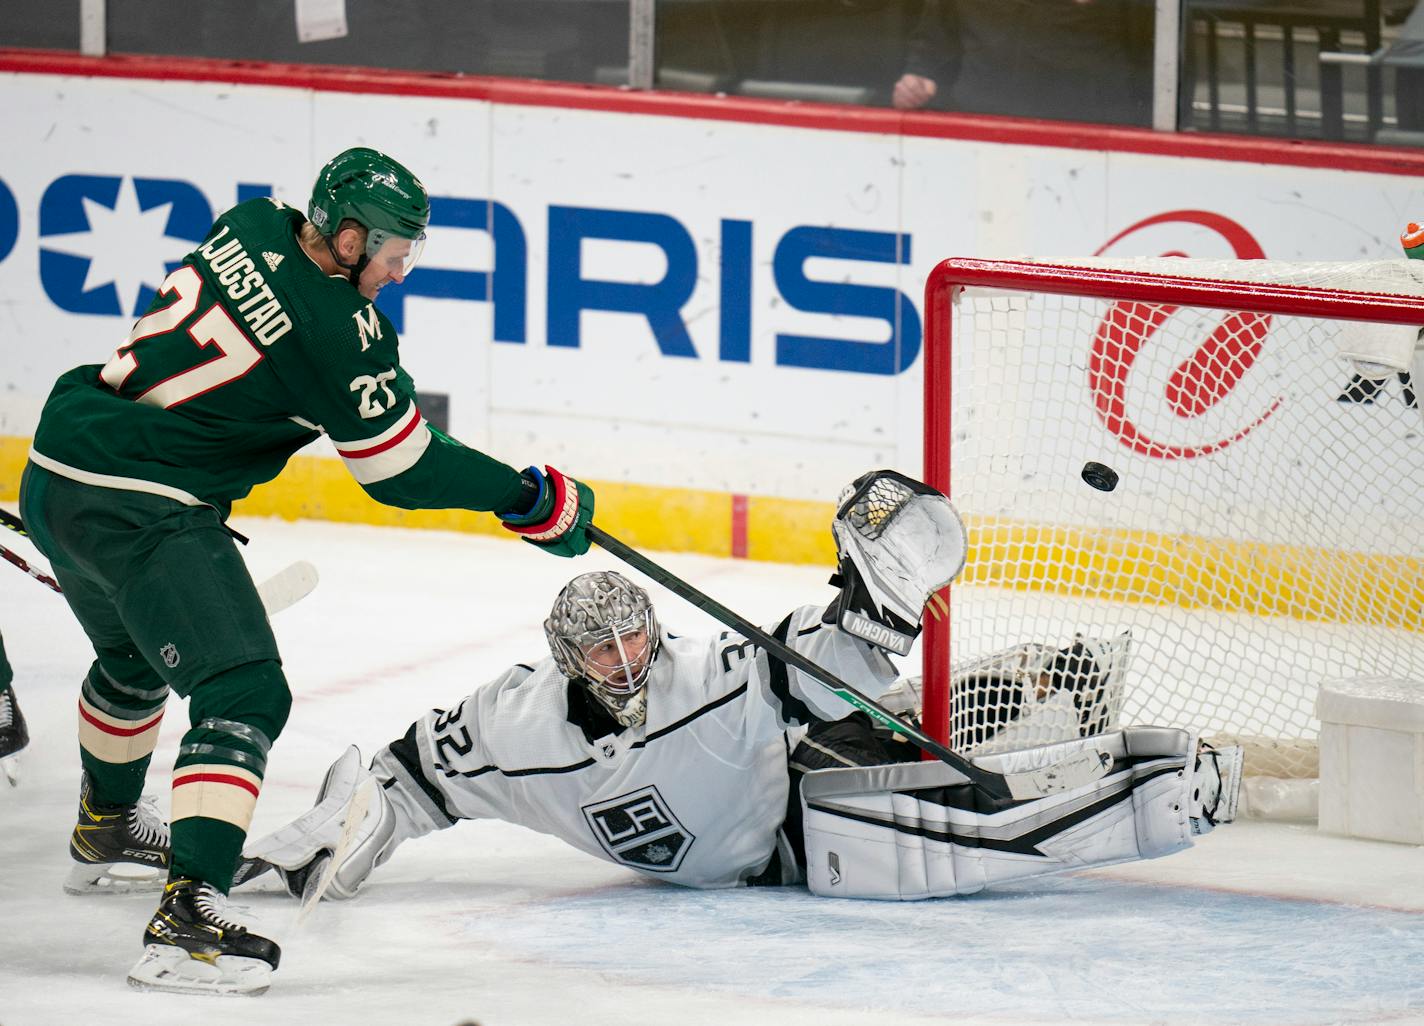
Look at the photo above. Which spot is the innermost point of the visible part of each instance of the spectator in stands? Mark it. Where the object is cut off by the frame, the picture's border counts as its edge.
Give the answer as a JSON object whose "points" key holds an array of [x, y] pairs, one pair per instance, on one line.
{"points": [[1072, 60], [932, 57]]}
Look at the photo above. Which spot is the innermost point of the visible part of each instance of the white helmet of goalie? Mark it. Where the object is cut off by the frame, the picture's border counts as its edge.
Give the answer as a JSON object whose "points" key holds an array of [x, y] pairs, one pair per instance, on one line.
{"points": [[602, 630], [899, 541]]}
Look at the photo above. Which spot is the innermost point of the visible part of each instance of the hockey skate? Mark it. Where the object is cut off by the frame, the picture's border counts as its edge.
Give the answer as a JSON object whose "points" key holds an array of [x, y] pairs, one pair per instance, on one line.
{"points": [[1033, 694], [1216, 786], [1028, 695], [118, 849], [194, 944], [14, 736]]}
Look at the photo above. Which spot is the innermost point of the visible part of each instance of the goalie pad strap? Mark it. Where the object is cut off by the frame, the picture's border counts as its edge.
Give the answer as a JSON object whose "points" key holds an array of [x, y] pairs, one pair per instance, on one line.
{"points": [[912, 830]]}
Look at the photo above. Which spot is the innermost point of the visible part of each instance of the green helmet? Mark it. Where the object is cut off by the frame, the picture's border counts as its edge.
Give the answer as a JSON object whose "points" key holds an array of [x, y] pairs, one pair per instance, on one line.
{"points": [[377, 192]]}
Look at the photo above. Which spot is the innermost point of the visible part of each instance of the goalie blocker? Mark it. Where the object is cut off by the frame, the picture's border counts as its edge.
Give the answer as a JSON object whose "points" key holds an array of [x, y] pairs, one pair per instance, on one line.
{"points": [[912, 830]]}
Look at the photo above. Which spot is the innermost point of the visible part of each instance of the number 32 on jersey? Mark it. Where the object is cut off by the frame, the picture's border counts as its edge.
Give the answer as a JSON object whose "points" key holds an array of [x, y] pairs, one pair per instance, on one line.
{"points": [[236, 353]]}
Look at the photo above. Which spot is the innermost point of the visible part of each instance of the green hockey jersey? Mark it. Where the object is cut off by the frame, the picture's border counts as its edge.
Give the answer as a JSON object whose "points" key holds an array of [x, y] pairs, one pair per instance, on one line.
{"points": [[247, 352]]}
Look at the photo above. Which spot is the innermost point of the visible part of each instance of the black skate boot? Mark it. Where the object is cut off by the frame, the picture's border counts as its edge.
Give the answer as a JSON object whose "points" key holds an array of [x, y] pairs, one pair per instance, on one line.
{"points": [[194, 944], [13, 736], [118, 849]]}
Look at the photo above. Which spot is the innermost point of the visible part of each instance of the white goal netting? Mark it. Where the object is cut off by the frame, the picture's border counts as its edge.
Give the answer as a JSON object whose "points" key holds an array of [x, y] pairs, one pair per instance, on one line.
{"points": [[1266, 530]]}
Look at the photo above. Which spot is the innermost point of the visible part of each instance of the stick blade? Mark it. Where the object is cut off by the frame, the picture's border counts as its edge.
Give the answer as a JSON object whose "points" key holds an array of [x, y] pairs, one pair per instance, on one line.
{"points": [[287, 587], [1077, 770], [318, 883]]}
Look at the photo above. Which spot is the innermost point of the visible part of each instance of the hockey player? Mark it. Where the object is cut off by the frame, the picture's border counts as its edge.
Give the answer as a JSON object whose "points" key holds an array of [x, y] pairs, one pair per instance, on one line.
{"points": [[262, 340], [669, 755], [14, 735]]}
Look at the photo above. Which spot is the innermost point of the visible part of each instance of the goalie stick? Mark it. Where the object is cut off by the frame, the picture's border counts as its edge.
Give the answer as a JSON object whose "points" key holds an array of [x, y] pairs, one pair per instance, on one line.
{"points": [[285, 588], [318, 884], [1073, 772]]}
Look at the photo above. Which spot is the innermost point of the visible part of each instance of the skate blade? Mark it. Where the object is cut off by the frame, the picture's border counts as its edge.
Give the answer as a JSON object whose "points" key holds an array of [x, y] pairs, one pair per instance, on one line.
{"points": [[1230, 759], [114, 878], [170, 968], [10, 767]]}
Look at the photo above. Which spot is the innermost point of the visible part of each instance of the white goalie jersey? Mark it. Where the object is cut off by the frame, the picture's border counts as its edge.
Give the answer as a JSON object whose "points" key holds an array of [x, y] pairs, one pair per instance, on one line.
{"points": [[694, 796]]}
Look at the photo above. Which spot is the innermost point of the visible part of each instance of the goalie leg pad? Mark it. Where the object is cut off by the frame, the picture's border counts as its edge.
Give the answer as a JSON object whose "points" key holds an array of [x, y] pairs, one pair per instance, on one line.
{"points": [[912, 830], [298, 849]]}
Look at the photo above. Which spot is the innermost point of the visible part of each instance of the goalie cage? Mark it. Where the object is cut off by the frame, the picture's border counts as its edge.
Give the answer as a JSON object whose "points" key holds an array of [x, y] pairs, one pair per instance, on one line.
{"points": [[1266, 532]]}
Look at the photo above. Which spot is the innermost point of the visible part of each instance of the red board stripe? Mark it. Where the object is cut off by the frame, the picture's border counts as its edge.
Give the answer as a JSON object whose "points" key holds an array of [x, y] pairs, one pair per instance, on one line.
{"points": [[739, 527], [922, 124]]}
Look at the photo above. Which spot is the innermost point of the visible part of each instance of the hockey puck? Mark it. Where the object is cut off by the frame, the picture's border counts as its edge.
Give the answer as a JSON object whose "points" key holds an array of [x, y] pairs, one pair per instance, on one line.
{"points": [[1101, 477]]}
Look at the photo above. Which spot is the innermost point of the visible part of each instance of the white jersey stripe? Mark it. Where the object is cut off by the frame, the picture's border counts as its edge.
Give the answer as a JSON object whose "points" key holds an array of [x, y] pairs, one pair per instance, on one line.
{"points": [[359, 447], [392, 452], [127, 484]]}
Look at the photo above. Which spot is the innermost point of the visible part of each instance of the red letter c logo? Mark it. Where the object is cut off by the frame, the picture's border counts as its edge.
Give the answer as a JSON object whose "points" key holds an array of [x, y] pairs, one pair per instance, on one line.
{"points": [[1198, 383]]}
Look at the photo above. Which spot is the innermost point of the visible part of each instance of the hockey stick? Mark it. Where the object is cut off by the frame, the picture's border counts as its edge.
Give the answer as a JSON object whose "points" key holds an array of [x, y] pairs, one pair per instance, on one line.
{"points": [[1073, 772], [13, 523], [16, 560], [354, 816], [286, 587]]}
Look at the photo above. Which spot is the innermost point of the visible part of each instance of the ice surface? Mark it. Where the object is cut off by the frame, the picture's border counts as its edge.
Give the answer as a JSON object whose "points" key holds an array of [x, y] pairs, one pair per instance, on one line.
{"points": [[1259, 924]]}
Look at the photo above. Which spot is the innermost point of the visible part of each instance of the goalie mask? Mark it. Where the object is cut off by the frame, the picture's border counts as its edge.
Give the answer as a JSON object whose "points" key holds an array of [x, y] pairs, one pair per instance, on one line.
{"points": [[603, 631], [898, 542]]}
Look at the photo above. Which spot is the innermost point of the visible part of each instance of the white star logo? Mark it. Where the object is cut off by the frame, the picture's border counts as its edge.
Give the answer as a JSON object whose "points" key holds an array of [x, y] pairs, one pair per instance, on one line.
{"points": [[125, 245]]}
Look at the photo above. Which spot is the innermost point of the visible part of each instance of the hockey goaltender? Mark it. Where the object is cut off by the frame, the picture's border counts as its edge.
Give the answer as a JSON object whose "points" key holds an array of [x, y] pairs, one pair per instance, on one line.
{"points": [[708, 762]]}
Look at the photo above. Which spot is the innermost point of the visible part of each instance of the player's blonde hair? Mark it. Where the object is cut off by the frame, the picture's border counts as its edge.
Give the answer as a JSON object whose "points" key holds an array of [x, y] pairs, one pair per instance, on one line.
{"points": [[310, 236]]}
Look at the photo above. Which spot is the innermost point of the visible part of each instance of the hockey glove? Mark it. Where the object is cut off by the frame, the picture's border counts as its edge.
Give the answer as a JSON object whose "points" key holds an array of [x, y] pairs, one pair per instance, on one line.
{"points": [[558, 521]]}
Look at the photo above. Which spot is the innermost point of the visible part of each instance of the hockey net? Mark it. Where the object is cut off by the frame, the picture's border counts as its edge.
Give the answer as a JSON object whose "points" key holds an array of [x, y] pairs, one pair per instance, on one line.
{"points": [[1266, 530]]}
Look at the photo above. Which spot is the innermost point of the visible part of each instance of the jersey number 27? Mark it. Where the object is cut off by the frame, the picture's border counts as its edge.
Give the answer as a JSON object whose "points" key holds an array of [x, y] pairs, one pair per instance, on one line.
{"points": [[236, 354]]}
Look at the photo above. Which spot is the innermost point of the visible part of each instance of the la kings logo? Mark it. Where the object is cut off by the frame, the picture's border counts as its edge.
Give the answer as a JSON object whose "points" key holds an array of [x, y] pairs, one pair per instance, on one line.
{"points": [[639, 830]]}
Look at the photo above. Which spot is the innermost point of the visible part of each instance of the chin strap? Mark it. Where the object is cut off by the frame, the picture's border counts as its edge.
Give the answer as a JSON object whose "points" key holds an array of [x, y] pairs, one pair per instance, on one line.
{"points": [[353, 271]]}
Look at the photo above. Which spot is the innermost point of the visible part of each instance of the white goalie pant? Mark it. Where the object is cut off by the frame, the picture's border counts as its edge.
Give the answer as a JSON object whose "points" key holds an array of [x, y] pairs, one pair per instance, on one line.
{"points": [[909, 831]]}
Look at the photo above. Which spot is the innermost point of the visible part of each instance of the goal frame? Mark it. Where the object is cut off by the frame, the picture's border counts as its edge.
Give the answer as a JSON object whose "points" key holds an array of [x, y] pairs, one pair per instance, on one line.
{"points": [[950, 277]]}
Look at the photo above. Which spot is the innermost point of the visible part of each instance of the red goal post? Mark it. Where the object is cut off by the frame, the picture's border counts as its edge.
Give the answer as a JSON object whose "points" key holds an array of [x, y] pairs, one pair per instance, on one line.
{"points": [[1224, 556]]}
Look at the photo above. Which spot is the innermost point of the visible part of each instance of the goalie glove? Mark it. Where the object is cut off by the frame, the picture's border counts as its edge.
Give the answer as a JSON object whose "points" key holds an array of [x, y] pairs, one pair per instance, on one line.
{"points": [[898, 541]]}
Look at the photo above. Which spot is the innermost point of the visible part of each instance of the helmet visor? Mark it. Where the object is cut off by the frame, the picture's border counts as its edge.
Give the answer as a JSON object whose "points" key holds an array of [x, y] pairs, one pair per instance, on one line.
{"points": [[393, 253]]}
